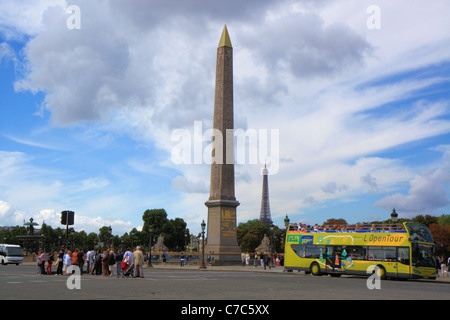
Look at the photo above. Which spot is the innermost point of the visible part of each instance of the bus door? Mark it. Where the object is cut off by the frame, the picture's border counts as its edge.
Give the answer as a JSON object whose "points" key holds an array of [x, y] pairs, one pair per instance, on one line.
{"points": [[333, 258], [403, 262]]}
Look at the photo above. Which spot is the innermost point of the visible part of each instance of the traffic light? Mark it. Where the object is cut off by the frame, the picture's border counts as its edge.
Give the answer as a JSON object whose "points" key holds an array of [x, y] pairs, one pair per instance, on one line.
{"points": [[67, 217]]}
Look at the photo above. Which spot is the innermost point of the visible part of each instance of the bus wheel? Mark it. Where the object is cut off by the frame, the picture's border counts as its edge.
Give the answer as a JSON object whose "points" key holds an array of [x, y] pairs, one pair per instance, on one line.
{"points": [[315, 269], [381, 272]]}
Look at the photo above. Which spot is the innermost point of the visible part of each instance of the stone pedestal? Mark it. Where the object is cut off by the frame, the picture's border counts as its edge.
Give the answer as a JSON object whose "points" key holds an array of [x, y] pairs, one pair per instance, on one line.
{"points": [[222, 244]]}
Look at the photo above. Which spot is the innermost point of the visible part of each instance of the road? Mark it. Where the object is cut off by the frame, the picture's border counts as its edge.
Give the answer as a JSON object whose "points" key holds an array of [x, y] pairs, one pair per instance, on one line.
{"points": [[22, 282]]}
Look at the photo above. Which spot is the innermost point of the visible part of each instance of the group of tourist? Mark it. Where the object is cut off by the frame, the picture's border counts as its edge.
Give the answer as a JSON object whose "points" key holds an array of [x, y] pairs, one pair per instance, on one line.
{"points": [[262, 258], [443, 266], [97, 262], [345, 227]]}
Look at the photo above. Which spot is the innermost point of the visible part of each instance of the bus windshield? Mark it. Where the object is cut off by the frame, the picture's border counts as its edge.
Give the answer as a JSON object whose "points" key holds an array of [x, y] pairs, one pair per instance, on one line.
{"points": [[423, 255], [419, 232], [14, 252]]}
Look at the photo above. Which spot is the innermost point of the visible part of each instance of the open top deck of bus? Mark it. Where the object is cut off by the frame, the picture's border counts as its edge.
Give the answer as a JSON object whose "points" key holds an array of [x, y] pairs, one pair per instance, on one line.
{"points": [[349, 228]]}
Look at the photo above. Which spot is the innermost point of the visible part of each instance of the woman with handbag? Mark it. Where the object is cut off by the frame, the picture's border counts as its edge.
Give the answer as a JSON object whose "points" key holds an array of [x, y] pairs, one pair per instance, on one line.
{"points": [[41, 261]]}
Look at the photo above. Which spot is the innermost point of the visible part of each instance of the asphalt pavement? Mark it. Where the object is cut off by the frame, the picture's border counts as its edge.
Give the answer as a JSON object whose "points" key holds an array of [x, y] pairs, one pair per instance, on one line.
{"points": [[239, 268]]}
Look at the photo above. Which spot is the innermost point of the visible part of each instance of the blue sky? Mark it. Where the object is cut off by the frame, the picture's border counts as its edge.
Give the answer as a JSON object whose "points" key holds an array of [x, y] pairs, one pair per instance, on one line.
{"points": [[87, 115]]}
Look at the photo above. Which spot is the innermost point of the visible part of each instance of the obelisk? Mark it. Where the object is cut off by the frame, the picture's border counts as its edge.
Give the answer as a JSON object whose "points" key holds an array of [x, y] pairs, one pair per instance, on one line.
{"points": [[222, 243]]}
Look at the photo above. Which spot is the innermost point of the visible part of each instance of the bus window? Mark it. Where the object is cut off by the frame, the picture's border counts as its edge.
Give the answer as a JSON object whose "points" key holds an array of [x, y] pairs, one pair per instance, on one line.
{"points": [[14, 252], [299, 249], [390, 253], [419, 232], [382, 253], [312, 251], [423, 255], [356, 252], [403, 255]]}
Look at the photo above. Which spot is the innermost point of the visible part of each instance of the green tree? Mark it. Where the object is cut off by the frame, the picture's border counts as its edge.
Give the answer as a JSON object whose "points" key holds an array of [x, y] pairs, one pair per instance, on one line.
{"points": [[103, 235], [174, 232], [444, 220], [254, 227], [157, 218], [249, 242], [91, 240], [332, 222], [427, 220]]}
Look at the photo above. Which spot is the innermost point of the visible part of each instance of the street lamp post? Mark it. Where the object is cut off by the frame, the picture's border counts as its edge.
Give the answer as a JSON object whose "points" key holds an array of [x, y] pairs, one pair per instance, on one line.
{"points": [[286, 222], [203, 225], [150, 230], [271, 244], [394, 216]]}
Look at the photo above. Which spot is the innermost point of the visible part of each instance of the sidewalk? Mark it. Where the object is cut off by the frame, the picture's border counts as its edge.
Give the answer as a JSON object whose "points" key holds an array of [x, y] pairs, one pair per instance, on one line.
{"points": [[238, 268]]}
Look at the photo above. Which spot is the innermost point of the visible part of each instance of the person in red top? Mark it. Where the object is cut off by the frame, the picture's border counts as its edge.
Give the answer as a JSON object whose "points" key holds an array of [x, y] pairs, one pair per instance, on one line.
{"points": [[75, 257]]}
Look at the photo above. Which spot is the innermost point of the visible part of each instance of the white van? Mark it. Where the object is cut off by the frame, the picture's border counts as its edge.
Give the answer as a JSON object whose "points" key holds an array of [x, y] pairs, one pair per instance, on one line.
{"points": [[10, 253]]}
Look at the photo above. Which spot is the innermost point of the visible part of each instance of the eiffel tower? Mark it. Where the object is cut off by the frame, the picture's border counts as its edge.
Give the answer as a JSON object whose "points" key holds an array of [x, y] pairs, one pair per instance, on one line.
{"points": [[264, 216]]}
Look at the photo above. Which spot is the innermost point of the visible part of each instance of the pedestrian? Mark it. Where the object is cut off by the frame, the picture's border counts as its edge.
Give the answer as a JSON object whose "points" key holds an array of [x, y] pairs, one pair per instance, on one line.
{"points": [[443, 267], [80, 259], [128, 255], [243, 259], [98, 263], [138, 261], [60, 262], [67, 261], [41, 261], [50, 260], [112, 261], [182, 259], [75, 257], [448, 265], [90, 260], [438, 266], [105, 264], [266, 260], [247, 259], [164, 258], [119, 257]]}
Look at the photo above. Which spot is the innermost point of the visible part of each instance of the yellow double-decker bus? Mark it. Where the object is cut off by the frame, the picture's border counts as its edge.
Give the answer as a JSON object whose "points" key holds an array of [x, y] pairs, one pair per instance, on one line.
{"points": [[404, 251]]}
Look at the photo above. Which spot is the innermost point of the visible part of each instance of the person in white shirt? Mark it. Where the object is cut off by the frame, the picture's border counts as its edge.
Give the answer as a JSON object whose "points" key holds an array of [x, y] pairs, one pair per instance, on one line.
{"points": [[128, 255], [67, 261]]}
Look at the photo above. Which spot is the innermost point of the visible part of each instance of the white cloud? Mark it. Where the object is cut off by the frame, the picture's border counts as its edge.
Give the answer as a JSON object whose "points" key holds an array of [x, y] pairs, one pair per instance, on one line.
{"points": [[426, 194], [313, 71], [24, 18], [31, 191]]}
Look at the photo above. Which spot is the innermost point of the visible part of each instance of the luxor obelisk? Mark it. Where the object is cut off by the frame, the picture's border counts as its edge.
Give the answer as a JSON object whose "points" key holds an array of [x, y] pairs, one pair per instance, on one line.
{"points": [[222, 243]]}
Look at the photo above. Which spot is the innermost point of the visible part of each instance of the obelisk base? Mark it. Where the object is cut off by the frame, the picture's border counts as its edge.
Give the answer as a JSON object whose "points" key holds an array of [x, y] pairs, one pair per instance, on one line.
{"points": [[222, 246]]}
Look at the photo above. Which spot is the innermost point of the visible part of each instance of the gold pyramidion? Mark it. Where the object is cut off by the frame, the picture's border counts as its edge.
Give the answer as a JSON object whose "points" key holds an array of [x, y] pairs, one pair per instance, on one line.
{"points": [[225, 39]]}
